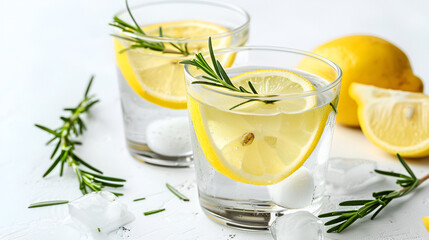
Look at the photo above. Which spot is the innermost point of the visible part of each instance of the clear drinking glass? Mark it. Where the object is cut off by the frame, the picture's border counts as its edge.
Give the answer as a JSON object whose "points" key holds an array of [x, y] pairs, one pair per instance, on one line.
{"points": [[151, 83], [268, 157]]}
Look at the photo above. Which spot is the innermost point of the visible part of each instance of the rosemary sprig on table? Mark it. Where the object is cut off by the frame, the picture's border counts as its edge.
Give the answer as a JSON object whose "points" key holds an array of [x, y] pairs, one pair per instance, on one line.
{"points": [[217, 77], [74, 125], [136, 42], [381, 199]]}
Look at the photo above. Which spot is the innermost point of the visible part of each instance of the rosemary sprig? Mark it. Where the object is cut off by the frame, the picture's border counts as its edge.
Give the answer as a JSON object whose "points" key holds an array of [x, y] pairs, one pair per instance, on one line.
{"points": [[48, 203], [154, 211], [380, 199], [217, 77], [74, 125], [136, 42], [177, 193]]}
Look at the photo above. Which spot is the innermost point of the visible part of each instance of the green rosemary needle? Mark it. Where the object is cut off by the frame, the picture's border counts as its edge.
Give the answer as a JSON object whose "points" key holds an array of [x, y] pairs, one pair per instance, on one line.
{"points": [[380, 199], [136, 42], [177, 193], [154, 211], [74, 125], [139, 199], [48, 203]]}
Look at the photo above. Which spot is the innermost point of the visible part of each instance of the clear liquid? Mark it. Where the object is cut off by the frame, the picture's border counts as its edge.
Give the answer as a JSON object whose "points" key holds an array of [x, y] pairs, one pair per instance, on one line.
{"points": [[252, 206]]}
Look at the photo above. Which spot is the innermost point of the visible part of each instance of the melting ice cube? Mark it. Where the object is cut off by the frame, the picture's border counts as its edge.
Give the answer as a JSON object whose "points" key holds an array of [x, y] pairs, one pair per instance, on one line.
{"points": [[300, 225], [99, 212], [169, 137], [350, 175], [296, 191]]}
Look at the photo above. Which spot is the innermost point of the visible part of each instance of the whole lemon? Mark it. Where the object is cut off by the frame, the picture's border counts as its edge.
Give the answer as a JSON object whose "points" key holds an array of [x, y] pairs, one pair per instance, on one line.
{"points": [[368, 60]]}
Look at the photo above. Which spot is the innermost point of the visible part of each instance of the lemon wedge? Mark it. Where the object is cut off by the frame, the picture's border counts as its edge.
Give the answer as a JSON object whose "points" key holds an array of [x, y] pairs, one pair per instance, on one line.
{"points": [[260, 143], [158, 77], [396, 121], [426, 222]]}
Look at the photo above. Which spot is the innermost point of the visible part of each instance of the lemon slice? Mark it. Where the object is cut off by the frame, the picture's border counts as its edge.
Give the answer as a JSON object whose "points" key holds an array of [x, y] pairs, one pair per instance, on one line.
{"points": [[396, 121], [260, 143], [158, 77]]}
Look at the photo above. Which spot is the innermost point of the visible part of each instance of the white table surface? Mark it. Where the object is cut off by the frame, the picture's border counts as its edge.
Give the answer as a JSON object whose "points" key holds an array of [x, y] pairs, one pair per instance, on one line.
{"points": [[49, 48]]}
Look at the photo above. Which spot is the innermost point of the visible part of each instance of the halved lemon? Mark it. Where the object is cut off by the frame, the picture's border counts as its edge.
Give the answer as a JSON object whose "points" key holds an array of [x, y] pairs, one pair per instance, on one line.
{"points": [[396, 121], [158, 77], [260, 143]]}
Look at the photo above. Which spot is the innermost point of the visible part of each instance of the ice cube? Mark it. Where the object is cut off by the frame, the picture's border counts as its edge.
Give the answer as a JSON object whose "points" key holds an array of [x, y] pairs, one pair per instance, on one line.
{"points": [[99, 213], [349, 175], [299, 225], [169, 137], [296, 191]]}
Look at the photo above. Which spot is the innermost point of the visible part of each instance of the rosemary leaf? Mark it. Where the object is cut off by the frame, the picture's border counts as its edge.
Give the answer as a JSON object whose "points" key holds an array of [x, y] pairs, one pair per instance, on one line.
{"points": [[337, 213], [154, 211], [235, 106], [47, 129], [48, 203], [354, 202], [177, 193], [392, 174], [112, 179], [333, 107], [139, 199], [406, 166]]}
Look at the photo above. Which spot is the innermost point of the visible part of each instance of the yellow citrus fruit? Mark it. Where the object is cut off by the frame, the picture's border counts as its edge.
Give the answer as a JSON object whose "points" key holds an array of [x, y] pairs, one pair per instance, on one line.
{"points": [[426, 222], [260, 143], [396, 121], [158, 77], [368, 60]]}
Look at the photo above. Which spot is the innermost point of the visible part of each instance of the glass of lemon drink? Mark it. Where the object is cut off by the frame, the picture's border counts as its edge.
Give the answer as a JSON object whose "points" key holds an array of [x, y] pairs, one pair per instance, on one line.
{"points": [[261, 132], [149, 42]]}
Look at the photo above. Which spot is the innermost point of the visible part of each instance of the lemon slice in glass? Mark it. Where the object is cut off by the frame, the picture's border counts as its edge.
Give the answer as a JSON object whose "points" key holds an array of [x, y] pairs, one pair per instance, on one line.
{"points": [[261, 143], [396, 121], [158, 77]]}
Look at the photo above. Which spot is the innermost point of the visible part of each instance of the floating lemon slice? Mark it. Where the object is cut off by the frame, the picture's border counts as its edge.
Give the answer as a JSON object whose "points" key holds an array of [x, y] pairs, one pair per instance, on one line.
{"points": [[158, 77], [261, 143], [396, 121]]}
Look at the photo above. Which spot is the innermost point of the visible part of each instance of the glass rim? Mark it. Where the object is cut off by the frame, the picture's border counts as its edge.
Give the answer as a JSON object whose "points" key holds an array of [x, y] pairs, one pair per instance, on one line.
{"points": [[191, 39], [287, 96]]}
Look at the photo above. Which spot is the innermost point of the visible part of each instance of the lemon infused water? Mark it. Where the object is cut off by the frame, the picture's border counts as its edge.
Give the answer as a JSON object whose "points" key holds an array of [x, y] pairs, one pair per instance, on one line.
{"points": [[151, 80], [260, 156]]}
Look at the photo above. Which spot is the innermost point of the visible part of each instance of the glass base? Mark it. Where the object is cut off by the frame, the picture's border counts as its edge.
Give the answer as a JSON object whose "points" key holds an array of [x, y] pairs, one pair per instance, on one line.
{"points": [[142, 152], [248, 215]]}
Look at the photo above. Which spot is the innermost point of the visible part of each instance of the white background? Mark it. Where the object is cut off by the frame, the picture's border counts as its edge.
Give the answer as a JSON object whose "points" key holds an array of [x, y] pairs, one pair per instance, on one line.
{"points": [[49, 48]]}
